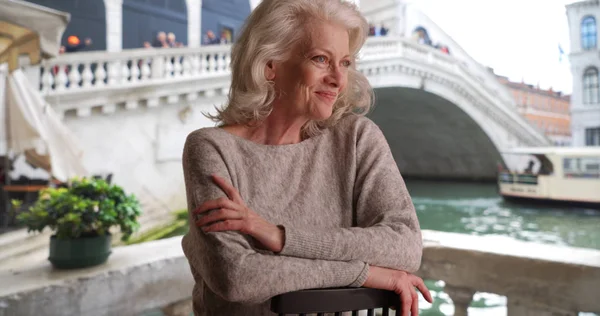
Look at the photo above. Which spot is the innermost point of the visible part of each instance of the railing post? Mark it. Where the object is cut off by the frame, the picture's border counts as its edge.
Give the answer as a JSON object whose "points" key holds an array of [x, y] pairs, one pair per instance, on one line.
{"points": [[461, 297], [516, 307]]}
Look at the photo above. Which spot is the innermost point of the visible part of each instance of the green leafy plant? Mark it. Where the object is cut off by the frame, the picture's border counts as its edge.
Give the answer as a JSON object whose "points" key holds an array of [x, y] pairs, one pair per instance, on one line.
{"points": [[88, 207]]}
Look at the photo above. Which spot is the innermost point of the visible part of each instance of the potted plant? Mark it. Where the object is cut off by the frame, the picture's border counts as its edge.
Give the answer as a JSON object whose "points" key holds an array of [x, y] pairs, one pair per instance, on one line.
{"points": [[81, 216]]}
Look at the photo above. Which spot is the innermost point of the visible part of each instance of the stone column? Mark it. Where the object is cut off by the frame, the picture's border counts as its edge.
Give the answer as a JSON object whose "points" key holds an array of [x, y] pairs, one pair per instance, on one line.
{"points": [[114, 25], [461, 297], [194, 9]]}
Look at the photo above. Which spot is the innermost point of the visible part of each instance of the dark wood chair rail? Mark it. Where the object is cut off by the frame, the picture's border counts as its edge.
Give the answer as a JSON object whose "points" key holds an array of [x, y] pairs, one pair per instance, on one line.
{"points": [[335, 300]]}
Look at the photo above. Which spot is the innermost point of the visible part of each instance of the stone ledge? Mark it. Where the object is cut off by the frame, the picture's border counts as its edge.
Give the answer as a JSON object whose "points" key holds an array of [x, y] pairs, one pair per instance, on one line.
{"points": [[156, 274], [135, 278]]}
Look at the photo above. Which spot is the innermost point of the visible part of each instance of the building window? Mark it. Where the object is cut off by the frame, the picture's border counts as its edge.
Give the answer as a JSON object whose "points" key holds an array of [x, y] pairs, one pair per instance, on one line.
{"points": [[588, 33], [590, 86], [592, 136]]}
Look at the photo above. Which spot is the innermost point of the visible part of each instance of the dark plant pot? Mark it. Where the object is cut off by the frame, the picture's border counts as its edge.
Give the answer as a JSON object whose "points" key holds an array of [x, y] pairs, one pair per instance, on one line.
{"points": [[75, 253]]}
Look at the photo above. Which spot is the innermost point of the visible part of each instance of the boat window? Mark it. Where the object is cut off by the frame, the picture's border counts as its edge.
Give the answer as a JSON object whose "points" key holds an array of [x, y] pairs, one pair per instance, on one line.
{"points": [[581, 167], [528, 164]]}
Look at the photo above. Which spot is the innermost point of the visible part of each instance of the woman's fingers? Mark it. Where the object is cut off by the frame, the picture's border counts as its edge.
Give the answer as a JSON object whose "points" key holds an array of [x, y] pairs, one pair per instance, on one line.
{"points": [[414, 308], [222, 202], [231, 192], [423, 289], [406, 298], [218, 215]]}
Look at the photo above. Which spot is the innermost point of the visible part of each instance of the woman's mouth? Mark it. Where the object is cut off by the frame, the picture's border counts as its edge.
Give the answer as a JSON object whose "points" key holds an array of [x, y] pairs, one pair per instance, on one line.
{"points": [[327, 96]]}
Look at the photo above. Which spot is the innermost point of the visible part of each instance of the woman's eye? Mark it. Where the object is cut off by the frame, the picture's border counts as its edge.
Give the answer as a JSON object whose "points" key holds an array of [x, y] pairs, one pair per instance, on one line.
{"points": [[346, 63], [320, 59]]}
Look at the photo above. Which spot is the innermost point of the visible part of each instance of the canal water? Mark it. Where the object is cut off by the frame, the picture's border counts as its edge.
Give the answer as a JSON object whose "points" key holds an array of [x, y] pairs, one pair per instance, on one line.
{"points": [[477, 209]]}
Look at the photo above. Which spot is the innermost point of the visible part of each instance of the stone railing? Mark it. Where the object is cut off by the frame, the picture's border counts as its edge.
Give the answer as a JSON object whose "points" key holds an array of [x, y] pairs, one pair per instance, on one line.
{"points": [[104, 82], [537, 279]]}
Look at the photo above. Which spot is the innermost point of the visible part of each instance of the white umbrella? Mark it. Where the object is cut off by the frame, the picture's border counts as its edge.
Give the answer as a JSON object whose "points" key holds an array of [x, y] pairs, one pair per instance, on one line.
{"points": [[34, 125]]}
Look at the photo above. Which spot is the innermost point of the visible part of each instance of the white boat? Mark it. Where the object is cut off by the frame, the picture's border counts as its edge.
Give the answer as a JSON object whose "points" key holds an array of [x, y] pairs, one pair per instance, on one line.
{"points": [[551, 174]]}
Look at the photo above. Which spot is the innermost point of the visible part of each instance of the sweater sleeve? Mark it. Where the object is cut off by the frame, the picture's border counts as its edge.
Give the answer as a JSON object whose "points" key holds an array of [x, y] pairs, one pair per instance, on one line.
{"points": [[226, 261], [387, 232]]}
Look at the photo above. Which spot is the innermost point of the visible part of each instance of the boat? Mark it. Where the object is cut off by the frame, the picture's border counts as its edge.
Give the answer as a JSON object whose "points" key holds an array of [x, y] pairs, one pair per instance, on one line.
{"points": [[553, 175]]}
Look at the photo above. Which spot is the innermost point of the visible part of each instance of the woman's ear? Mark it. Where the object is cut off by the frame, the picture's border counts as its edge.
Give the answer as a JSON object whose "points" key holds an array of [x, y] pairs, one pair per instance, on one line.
{"points": [[270, 71]]}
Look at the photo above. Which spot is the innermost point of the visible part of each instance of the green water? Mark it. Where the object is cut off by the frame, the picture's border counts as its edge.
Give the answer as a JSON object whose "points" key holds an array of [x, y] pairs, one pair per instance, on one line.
{"points": [[477, 209]]}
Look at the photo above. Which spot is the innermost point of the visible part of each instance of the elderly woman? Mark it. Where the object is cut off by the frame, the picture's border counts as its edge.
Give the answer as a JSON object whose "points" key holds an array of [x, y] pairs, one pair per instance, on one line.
{"points": [[296, 189]]}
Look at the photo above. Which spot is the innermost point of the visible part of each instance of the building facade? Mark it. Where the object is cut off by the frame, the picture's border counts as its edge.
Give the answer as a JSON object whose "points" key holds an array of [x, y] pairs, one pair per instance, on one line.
{"points": [[547, 110], [585, 65]]}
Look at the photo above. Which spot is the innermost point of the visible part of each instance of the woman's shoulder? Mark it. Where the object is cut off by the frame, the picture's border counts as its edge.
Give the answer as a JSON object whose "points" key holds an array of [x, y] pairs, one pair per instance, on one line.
{"points": [[206, 137], [358, 125]]}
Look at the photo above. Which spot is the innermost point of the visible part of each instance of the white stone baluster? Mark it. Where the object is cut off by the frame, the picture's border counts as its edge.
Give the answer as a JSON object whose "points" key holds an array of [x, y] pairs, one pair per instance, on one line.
{"points": [[47, 79], [100, 75], [221, 62], [212, 63], [187, 66], [124, 78], [461, 297], [74, 77], [203, 63], [113, 72], [196, 65], [227, 61], [135, 69], [87, 76], [61, 78], [146, 71], [168, 67], [177, 66], [158, 67]]}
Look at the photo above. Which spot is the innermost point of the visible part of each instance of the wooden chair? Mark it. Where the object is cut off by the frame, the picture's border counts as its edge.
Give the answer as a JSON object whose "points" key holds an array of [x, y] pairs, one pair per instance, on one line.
{"points": [[335, 300]]}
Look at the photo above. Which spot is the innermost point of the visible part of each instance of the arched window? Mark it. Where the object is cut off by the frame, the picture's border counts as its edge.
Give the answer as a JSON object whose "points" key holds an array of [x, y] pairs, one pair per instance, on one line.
{"points": [[144, 19], [588, 33], [590, 86]]}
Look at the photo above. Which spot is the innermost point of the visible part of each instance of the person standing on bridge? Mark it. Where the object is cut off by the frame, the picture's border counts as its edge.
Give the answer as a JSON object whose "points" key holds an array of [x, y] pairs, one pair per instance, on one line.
{"points": [[296, 188]]}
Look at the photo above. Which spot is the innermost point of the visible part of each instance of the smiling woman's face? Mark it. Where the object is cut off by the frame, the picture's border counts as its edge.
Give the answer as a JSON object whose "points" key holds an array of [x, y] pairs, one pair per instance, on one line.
{"points": [[310, 83]]}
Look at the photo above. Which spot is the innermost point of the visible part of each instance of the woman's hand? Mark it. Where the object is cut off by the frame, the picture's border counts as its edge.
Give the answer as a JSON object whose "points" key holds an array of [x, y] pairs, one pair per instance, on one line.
{"points": [[402, 283], [232, 214]]}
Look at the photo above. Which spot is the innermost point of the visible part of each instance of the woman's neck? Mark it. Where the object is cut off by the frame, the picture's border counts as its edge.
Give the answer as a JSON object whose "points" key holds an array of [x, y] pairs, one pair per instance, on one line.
{"points": [[276, 129]]}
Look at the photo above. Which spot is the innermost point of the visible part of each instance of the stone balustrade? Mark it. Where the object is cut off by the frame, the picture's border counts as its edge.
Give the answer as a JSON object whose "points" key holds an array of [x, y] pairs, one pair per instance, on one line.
{"points": [[537, 279]]}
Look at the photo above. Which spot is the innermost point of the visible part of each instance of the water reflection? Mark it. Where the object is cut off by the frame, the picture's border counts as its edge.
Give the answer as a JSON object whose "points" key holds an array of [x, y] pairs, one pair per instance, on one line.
{"points": [[478, 209]]}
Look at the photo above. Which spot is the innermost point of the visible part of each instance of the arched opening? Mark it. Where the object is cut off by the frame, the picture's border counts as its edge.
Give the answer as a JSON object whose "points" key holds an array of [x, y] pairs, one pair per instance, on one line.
{"points": [[144, 19], [88, 20], [591, 90], [420, 34], [588, 33], [433, 138], [223, 18]]}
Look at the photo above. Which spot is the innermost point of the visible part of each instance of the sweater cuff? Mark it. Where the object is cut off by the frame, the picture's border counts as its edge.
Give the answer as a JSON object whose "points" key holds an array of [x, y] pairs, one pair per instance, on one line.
{"points": [[303, 244], [362, 277]]}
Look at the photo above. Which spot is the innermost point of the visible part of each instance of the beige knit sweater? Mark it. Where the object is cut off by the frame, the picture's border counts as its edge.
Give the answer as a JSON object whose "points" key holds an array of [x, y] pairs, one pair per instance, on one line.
{"points": [[339, 196]]}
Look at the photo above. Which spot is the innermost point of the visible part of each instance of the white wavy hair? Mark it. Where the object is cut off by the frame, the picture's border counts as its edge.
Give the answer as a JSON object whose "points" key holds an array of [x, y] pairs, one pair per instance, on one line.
{"points": [[271, 32]]}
